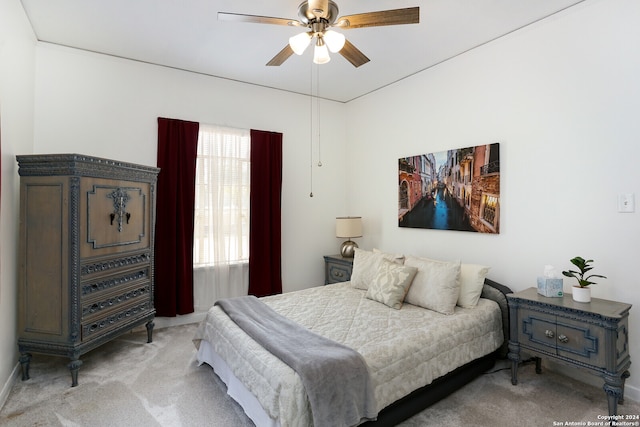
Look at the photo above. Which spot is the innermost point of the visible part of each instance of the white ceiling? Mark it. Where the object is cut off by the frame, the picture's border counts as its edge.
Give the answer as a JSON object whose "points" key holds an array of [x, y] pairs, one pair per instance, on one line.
{"points": [[185, 34]]}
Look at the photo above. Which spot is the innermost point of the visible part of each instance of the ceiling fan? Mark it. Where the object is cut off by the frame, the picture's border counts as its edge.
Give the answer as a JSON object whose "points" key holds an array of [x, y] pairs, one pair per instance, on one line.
{"points": [[318, 16]]}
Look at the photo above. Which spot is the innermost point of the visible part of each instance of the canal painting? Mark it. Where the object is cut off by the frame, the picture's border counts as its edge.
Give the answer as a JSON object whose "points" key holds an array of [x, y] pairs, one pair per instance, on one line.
{"points": [[451, 190]]}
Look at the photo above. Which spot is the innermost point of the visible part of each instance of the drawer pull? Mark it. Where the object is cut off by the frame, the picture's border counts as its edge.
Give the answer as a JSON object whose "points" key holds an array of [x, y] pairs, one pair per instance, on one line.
{"points": [[549, 334], [563, 338]]}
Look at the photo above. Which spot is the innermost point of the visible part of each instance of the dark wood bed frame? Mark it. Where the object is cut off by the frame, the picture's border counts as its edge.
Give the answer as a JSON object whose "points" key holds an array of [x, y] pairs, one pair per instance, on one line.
{"points": [[440, 388]]}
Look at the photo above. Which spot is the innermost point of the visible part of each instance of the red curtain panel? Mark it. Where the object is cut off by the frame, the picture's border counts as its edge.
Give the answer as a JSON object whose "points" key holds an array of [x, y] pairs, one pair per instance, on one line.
{"points": [[265, 266], [177, 150]]}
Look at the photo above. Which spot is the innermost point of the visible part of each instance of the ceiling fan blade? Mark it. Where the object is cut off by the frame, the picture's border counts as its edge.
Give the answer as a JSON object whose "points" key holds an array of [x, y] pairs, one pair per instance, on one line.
{"points": [[353, 54], [410, 15], [281, 56], [255, 19]]}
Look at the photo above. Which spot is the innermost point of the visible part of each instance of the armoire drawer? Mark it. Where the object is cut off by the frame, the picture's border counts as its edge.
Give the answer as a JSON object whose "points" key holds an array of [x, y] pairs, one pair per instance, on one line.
{"points": [[98, 267], [125, 314], [103, 303], [107, 283]]}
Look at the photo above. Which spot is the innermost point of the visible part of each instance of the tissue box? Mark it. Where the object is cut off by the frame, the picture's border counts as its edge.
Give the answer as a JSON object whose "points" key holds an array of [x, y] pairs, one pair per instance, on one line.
{"points": [[550, 287]]}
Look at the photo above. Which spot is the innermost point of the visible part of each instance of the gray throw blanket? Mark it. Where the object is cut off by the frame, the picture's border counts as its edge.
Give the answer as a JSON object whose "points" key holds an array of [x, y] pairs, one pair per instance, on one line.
{"points": [[335, 377]]}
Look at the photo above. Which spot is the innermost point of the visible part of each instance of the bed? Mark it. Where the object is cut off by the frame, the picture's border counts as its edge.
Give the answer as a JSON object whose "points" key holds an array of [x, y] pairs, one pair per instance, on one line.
{"points": [[415, 355]]}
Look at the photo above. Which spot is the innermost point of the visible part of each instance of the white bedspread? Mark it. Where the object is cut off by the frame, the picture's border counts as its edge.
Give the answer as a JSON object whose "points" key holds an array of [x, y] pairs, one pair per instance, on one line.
{"points": [[405, 349]]}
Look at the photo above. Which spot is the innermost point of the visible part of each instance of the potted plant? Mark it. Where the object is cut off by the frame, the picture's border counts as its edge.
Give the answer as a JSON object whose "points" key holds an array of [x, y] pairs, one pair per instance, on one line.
{"points": [[581, 291]]}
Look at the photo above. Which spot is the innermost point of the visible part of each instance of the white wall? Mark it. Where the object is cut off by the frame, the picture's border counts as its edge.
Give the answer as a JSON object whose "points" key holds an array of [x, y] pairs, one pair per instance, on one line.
{"points": [[16, 126], [562, 97], [108, 107]]}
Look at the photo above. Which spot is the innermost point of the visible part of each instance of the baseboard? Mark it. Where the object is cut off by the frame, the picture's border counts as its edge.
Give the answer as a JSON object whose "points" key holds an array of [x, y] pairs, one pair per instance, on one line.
{"points": [[8, 385], [630, 392], [167, 322]]}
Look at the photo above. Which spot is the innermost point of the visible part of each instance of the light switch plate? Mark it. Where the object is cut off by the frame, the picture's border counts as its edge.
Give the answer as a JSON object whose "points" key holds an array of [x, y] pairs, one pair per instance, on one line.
{"points": [[626, 203]]}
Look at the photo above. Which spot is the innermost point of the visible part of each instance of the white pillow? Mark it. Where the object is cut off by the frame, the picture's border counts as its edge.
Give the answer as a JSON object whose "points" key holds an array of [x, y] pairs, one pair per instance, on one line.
{"points": [[471, 282], [365, 267], [436, 285], [397, 258], [391, 283]]}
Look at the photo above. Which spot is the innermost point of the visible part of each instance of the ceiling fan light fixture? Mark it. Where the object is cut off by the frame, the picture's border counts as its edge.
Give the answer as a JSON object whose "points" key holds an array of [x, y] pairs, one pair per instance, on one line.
{"points": [[334, 40], [300, 42], [317, 16], [321, 53]]}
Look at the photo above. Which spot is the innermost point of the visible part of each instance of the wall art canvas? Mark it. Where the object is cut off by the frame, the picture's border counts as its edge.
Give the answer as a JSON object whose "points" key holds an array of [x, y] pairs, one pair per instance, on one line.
{"points": [[456, 189]]}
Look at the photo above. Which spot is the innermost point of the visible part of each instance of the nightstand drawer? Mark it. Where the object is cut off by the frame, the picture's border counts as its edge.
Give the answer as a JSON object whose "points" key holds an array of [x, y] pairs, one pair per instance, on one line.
{"points": [[537, 331], [337, 269], [561, 336], [339, 273], [581, 342]]}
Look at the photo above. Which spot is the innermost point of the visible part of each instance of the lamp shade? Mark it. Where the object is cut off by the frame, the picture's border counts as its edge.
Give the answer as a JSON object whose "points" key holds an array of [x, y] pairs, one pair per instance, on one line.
{"points": [[321, 53], [300, 42], [349, 226], [334, 40]]}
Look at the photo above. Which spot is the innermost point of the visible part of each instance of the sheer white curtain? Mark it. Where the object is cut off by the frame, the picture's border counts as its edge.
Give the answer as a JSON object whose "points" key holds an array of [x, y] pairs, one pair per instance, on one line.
{"points": [[221, 234]]}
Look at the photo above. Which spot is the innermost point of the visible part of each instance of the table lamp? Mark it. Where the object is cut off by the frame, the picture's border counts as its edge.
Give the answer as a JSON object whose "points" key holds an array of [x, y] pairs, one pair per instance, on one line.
{"points": [[349, 227]]}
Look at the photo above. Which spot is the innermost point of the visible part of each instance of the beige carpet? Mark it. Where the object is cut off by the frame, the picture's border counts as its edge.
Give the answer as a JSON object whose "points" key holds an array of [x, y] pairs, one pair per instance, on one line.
{"points": [[130, 383]]}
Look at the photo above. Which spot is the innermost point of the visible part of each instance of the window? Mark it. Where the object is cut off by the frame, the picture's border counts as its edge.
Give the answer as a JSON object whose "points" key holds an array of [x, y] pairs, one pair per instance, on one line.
{"points": [[221, 233], [489, 209]]}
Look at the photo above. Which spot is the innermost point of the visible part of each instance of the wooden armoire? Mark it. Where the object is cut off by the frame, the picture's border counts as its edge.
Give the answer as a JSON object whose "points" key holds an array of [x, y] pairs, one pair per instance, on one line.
{"points": [[85, 273]]}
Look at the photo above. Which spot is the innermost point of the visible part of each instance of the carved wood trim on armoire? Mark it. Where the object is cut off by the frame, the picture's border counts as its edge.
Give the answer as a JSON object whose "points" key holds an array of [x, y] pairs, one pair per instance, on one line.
{"points": [[85, 273]]}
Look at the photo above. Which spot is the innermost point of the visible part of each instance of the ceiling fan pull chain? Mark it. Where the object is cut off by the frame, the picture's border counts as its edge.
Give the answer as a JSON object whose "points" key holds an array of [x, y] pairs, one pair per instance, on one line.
{"points": [[311, 133], [318, 112]]}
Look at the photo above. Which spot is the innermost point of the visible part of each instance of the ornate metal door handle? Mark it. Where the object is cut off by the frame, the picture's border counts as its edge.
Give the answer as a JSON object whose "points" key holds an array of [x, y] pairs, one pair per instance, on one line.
{"points": [[549, 334], [563, 338], [120, 198]]}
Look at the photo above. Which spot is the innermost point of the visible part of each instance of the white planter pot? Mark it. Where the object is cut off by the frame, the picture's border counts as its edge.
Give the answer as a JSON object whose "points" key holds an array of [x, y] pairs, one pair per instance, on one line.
{"points": [[581, 294]]}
